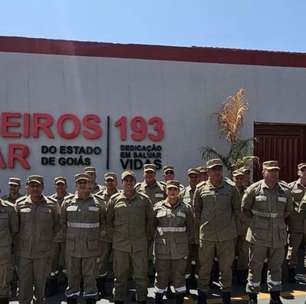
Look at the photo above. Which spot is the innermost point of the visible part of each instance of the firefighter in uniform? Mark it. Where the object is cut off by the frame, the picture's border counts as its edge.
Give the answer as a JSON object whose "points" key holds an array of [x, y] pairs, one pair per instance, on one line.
{"points": [[267, 203], [14, 193], [156, 192], [95, 187], [174, 232], [57, 276], [110, 183], [242, 246], [168, 174], [83, 227], [129, 225], [217, 210], [39, 225], [8, 230], [192, 261], [296, 220], [203, 174]]}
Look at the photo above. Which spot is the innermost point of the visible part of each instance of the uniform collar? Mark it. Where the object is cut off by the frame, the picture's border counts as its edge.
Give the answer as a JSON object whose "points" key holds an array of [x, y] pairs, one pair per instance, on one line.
{"points": [[211, 186]]}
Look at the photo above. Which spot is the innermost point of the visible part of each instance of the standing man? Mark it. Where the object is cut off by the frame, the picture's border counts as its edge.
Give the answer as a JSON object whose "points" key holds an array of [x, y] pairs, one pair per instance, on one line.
{"points": [[193, 260], [14, 194], [168, 174], [267, 203], [14, 188], [8, 230], [39, 224], [296, 221], [150, 186], [110, 183], [217, 210], [242, 246], [95, 187], [129, 225], [58, 263], [83, 228], [174, 232]]}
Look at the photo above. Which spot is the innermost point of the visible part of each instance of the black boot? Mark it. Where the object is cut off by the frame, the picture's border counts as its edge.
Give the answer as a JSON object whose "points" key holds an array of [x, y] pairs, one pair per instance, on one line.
{"points": [[179, 298], [252, 298], [188, 285], [51, 286], [202, 297], [226, 296], [291, 275], [242, 277], [159, 298], [275, 297], [91, 301], [71, 300], [101, 287], [4, 301]]}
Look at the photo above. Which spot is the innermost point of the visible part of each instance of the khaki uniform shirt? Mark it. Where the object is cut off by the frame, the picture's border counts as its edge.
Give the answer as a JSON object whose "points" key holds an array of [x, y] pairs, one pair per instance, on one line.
{"points": [[155, 192], [11, 199], [83, 225], [8, 229], [54, 196], [217, 210], [174, 230], [187, 195], [297, 219], [38, 226], [105, 195], [267, 208], [129, 221]]}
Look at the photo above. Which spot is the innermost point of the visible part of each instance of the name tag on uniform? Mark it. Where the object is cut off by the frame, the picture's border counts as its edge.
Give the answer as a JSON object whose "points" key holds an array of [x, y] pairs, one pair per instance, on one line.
{"points": [[181, 214], [159, 195], [282, 199], [93, 208], [260, 198], [72, 208], [25, 210]]}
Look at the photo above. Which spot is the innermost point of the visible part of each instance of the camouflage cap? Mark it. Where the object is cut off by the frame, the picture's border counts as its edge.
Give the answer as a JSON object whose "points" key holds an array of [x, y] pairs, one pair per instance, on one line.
{"points": [[270, 165], [60, 180], [127, 173], [90, 170], [245, 169], [301, 166], [110, 175], [238, 172], [193, 171], [214, 163], [35, 179], [173, 184], [81, 176], [168, 168], [149, 167], [202, 169], [14, 181]]}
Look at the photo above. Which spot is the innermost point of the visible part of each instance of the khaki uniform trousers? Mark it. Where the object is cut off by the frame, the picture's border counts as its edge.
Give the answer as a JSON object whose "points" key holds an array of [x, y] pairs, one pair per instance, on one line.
{"points": [[225, 252], [257, 258], [192, 264], [170, 270], [121, 267], [33, 272], [85, 268], [5, 277], [295, 241], [105, 258], [242, 253]]}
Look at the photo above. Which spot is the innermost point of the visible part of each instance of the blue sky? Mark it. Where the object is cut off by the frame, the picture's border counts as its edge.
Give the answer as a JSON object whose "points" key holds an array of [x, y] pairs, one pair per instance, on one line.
{"points": [[246, 24]]}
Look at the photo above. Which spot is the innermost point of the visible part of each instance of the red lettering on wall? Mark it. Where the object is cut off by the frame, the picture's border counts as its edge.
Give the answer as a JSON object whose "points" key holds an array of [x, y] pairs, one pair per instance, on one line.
{"points": [[63, 119], [42, 122], [18, 153], [10, 120], [26, 125], [2, 161], [91, 122]]}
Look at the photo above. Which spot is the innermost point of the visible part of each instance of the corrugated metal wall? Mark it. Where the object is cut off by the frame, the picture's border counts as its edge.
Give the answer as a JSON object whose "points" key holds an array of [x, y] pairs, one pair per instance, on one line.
{"points": [[282, 142]]}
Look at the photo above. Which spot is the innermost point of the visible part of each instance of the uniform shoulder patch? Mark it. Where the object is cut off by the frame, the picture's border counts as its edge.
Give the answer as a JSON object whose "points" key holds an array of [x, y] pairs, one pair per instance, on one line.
{"points": [[143, 195], [115, 195], [201, 184], [7, 203], [21, 199]]}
